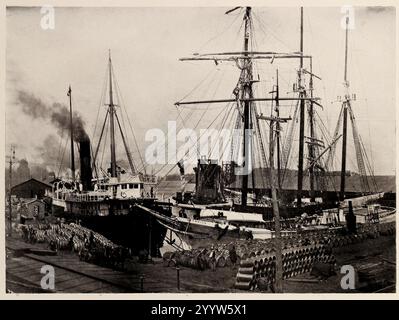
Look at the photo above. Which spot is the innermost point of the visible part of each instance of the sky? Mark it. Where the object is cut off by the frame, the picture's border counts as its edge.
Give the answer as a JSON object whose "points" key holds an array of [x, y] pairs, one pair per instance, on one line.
{"points": [[146, 44]]}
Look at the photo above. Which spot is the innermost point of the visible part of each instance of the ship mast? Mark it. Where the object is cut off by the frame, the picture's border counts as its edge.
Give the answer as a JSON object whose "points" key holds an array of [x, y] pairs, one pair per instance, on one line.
{"points": [[244, 96], [69, 94], [347, 112], [247, 93], [111, 111], [312, 136], [301, 120], [278, 131], [345, 105]]}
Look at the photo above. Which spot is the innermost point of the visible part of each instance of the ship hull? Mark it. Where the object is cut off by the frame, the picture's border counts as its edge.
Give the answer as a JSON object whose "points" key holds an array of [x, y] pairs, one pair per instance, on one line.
{"points": [[189, 232], [120, 221]]}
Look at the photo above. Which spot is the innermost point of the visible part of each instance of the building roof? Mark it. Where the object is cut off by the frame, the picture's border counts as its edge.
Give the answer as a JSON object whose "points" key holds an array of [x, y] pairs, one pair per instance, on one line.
{"points": [[32, 180]]}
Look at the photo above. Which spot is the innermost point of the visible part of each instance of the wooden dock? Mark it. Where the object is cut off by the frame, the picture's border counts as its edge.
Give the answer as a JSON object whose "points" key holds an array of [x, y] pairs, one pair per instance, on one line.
{"points": [[74, 276], [71, 275]]}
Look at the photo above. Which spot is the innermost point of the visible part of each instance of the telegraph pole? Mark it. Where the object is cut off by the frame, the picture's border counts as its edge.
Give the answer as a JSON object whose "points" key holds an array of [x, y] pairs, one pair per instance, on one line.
{"points": [[275, 122], [276, 214], [12, 159]]}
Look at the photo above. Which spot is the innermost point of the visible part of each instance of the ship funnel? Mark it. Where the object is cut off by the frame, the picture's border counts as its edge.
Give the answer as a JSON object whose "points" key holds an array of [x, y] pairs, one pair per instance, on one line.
{"points": [[85, 164]]}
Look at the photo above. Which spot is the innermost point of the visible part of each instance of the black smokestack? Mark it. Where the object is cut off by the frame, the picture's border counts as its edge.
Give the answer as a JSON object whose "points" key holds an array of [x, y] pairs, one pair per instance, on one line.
{"points": [[57, 114], [85, 164]]}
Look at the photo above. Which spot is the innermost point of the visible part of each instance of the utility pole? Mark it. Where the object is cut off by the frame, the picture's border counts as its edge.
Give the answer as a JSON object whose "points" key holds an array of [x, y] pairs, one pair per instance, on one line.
{"points": [[276, 212], [345, 105], [69, 94], [12, 159], [301, 120]]}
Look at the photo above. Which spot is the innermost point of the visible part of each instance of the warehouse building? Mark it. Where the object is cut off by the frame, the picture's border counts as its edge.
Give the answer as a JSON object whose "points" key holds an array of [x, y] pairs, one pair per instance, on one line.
{"points": [[29, 189]]}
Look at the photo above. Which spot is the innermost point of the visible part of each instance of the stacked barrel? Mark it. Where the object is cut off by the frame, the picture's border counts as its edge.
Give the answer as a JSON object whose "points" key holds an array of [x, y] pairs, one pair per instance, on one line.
{"points": [[201, 259], [296, 260], [90, 245], [387, 229]]}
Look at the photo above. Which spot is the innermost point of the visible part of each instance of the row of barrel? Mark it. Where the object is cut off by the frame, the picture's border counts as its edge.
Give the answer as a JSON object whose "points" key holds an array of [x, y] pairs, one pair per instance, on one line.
{"points": [[262, 268], [89, 245], [204, 258], [299, 252], [227, 254]]}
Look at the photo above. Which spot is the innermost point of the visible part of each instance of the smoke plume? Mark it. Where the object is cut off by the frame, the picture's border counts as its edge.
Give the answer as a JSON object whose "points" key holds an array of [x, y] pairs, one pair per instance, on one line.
{"points": [[57, 113]]}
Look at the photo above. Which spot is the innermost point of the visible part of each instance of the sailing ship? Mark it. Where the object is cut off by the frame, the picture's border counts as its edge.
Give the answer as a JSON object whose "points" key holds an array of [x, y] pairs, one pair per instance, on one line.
{"points": [[203, 212], [212, 208], [107, 202]]}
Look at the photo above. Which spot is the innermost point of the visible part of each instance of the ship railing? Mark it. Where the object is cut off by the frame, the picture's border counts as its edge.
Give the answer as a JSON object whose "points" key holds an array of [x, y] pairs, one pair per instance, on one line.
{"points": [[86, 197]]}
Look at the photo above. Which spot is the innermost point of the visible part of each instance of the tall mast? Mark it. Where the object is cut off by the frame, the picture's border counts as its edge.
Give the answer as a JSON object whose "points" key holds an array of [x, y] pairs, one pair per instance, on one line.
{"points": [[71, 128], [247, 93], [312, 136], [345, 105], [244, 94], [278, 133], [301, 120], [111, 110]]}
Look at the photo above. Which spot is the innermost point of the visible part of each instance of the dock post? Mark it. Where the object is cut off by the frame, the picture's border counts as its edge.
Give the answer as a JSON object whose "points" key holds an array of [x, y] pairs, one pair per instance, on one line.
{"points": [[178, 278], [150, 240], [142, 283]]}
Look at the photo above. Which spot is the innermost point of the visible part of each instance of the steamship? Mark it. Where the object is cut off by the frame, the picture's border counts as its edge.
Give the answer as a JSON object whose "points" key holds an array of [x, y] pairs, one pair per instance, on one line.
{"points": [[107, 203]]}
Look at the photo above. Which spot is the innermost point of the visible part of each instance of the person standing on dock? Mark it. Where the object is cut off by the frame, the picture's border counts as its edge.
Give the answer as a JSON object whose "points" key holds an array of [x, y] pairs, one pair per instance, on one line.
{"points": [[212, 259], [233, 254]]}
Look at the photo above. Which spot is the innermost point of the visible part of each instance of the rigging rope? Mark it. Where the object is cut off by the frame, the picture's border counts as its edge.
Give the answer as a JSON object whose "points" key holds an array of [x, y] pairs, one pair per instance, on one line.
{"points": [[62, 158], [119, 95]]}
